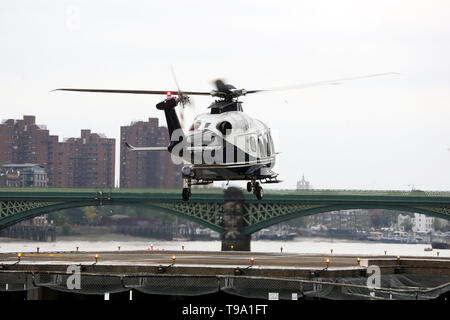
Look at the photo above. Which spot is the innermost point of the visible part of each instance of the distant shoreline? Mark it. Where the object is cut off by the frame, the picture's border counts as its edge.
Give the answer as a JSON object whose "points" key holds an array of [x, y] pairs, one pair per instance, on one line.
{"points": [[86, 237]]}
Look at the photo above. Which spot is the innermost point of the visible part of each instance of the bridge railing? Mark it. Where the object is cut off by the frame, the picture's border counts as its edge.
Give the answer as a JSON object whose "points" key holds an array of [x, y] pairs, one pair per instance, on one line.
{"points": [[431, 193]]}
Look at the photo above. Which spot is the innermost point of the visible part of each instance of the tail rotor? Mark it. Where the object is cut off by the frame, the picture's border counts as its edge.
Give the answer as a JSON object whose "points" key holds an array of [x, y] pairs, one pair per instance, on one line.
{"points": [[183, 99]]}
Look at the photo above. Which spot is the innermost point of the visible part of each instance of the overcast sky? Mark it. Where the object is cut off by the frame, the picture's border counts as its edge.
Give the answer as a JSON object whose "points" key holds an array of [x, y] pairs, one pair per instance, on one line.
{"points": [[381, 133]]}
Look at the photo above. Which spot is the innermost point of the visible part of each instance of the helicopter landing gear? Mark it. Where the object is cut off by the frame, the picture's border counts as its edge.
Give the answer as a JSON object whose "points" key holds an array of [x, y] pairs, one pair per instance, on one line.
{"points": [[186, 194], [187, 191], [256, 188], [258, 191]]}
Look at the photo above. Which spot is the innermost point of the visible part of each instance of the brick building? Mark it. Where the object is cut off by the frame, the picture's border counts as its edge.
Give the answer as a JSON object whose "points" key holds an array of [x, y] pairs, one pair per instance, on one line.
{"points": [[23, 141], [144, 169], [88, 161]]}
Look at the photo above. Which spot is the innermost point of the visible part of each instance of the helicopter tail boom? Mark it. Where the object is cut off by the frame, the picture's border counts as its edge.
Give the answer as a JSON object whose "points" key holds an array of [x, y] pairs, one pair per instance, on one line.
{"points": [[173, 123]]}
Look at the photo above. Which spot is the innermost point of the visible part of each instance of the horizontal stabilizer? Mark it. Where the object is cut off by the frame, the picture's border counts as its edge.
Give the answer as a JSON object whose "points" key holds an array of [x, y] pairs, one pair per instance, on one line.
{"points": [[132, 148], [203, 148]]}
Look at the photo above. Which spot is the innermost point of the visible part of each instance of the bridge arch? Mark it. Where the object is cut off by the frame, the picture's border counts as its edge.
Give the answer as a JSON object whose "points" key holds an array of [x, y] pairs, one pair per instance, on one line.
{"points": [[19, 211], [267, 219]]}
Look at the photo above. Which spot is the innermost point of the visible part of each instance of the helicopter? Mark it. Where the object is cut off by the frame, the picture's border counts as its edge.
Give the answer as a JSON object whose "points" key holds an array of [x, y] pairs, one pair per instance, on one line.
{"points": [[225, 144]]}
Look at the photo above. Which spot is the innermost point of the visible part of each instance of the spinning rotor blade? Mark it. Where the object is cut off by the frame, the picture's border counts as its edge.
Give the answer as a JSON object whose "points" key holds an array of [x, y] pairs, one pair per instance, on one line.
{"points": [[183, 96], [175, 92], [224, 90], [322, 83], [183, 100]]}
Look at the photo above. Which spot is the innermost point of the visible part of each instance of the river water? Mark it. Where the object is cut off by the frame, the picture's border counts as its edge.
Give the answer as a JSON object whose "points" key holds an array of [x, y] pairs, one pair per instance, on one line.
{"points": [[111, 242]]}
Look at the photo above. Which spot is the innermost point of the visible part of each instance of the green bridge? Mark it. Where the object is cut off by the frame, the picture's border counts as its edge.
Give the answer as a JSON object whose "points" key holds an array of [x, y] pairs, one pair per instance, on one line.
{"points": [[207, 207]]}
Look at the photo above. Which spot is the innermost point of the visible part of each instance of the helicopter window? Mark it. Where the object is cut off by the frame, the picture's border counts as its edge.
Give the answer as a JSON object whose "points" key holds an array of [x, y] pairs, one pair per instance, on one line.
{"points": [[262, 152], [268, 147], [253, 144]]}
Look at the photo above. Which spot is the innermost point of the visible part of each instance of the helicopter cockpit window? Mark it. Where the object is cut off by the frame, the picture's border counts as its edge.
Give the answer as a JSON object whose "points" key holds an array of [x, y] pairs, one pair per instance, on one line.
{"points": [[252, 144]]}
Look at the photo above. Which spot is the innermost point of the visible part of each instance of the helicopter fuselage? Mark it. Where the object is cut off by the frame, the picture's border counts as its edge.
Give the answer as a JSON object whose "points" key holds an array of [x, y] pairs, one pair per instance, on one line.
{"points": [[227, 146]]}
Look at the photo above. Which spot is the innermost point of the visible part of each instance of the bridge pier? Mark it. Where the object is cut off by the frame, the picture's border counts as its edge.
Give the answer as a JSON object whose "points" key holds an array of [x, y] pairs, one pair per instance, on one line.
{"points": [[232, 238]]}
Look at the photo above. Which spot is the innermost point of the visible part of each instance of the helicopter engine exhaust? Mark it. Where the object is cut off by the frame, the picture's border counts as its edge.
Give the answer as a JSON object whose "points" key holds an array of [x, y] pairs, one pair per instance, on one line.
{"points": [[224, 127]]}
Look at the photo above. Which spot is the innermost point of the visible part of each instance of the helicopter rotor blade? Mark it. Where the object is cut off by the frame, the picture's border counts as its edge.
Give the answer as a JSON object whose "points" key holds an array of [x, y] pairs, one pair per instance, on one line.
{"points": [[224, 90], [173, 92], [321, 83]]}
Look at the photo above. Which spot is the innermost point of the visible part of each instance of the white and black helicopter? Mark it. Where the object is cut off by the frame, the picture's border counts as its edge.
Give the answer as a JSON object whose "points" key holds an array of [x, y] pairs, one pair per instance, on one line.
{"points": [[223, 145]]}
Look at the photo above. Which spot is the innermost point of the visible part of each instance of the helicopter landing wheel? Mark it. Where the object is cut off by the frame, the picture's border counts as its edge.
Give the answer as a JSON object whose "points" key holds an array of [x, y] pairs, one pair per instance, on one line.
{"points": [[259, 192], [249, 186], [186, 194]]}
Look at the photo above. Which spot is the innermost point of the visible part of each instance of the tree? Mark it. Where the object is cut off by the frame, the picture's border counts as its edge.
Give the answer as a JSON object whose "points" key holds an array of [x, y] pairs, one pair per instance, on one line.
{"points": [[407, 224], [70, 216], [90, 214], [57, 217], [440, 225], [376, 219], [66, 229], [389, 218]]}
